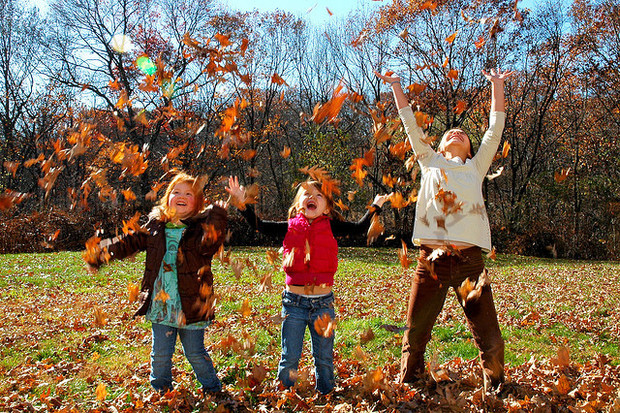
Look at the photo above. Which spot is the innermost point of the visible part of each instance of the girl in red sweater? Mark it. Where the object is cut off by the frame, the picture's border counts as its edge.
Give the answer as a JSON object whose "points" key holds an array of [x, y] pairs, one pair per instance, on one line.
{"points": [[310, 260]]}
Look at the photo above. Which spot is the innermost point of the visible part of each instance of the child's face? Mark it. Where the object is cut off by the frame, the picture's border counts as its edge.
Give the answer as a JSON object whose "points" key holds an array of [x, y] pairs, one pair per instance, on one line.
{"points": [[457, 142], [312, 202], [182, 200]]}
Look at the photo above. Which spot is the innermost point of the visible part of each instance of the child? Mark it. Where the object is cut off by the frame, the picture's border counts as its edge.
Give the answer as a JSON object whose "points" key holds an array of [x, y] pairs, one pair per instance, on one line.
{"points": [[451, 219], [310, 262], [180, 240]]}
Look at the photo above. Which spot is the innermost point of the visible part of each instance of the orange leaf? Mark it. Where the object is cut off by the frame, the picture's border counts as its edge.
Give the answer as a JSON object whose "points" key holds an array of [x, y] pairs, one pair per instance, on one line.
{"points": [[563, 385], [324, 325], [416, 88], [132, 292], [453, 74], [275, 78], [451, 38], [376, 228], [246, 308], [562, 175], [286, 152], [101, 318], [101, 392], [397, 201], [429, 5], [341, 205], [481, 41], [222, 39], [492, 254], [460, 107], [389, 180], [402, 256], [114, 85], [129, 194], [162, 296], [329, 11], [505, 149]]}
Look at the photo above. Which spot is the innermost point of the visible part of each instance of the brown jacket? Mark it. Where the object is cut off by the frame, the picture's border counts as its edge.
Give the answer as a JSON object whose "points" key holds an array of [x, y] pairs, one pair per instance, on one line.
{"points": [[200, 241]]}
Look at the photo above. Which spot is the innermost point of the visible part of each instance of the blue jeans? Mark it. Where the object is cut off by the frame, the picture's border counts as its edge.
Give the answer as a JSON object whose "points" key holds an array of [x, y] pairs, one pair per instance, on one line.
{"points": [[164, 340], [301, 312]]}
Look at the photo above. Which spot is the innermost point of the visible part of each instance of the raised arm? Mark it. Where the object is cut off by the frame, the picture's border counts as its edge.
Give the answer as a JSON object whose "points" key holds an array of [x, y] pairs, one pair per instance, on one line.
{"points": [[238, 199], [394, 82], [497, 78], [492, 137], [415, 133], [343, 228]]}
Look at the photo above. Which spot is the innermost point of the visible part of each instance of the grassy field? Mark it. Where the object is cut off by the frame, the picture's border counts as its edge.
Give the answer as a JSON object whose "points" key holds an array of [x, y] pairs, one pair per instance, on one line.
{"points": [[560, 320]]}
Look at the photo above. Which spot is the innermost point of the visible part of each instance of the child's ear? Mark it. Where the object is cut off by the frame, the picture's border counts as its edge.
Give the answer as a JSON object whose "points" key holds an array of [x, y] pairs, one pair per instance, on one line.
{"points": [[326, 212]]}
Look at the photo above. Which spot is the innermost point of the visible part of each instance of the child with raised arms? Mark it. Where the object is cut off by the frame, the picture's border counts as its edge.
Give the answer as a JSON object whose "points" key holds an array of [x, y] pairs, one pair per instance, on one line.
{"points": [[176, 292], [310, 262], [452, 229]]}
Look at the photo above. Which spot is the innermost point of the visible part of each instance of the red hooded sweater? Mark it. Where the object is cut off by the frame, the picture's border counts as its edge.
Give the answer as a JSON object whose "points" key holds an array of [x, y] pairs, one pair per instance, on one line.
{"points": [[323, 250]]}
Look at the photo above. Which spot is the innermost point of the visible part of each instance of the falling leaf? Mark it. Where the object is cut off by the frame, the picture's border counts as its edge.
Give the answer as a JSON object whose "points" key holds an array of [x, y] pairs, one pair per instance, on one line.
{"points": [[404, 34], [162, 296], [448, 201], [367, 336], [460, 107], [223, 39], [562, 175], [330, 109], [341, 205], [392, 328], [275, 78], [10, 198], [402, 256], [505, 149], [101, 317], [451, 38], [480, 42], [11, 167], [128, 195], [453, 74], [492, 254], [286, 152], [101, 392], [246, 309], [376, 228], [132, 292], [563, 358], [329, 11], [324, 325], [388, 180], [397, 200], [416, 88]]}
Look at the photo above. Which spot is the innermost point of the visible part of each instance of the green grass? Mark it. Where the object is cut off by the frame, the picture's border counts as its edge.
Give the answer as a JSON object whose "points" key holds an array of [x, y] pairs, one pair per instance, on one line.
{"points": [[48, 302]]}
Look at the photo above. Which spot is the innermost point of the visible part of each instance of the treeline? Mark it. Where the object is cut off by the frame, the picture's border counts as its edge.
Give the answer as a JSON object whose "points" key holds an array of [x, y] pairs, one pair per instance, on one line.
{"points": [[103, 99]]}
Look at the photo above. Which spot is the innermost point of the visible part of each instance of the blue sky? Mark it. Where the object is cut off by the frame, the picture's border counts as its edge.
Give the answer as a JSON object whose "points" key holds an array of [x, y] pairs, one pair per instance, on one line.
{"points": [[314, 11]]}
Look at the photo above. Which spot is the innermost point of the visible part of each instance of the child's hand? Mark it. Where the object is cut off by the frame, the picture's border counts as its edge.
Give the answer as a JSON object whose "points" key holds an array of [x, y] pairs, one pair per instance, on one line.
{"points": [[495, 76], [237, 193], [380, 199], [394, 78]]}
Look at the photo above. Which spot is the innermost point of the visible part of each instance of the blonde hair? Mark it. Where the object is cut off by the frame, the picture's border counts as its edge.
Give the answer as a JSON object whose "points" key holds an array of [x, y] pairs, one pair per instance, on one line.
{"points": [[164, 212], [442, 144], [294, 209]]}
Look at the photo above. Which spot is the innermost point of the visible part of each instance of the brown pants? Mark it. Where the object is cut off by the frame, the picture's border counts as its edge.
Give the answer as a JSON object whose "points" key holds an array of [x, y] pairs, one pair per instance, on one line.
{"points": [[426, 301]]}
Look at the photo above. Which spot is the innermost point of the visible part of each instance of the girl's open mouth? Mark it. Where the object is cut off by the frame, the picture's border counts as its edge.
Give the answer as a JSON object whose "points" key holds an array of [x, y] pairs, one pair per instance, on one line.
{"points": [[311, 205]]}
